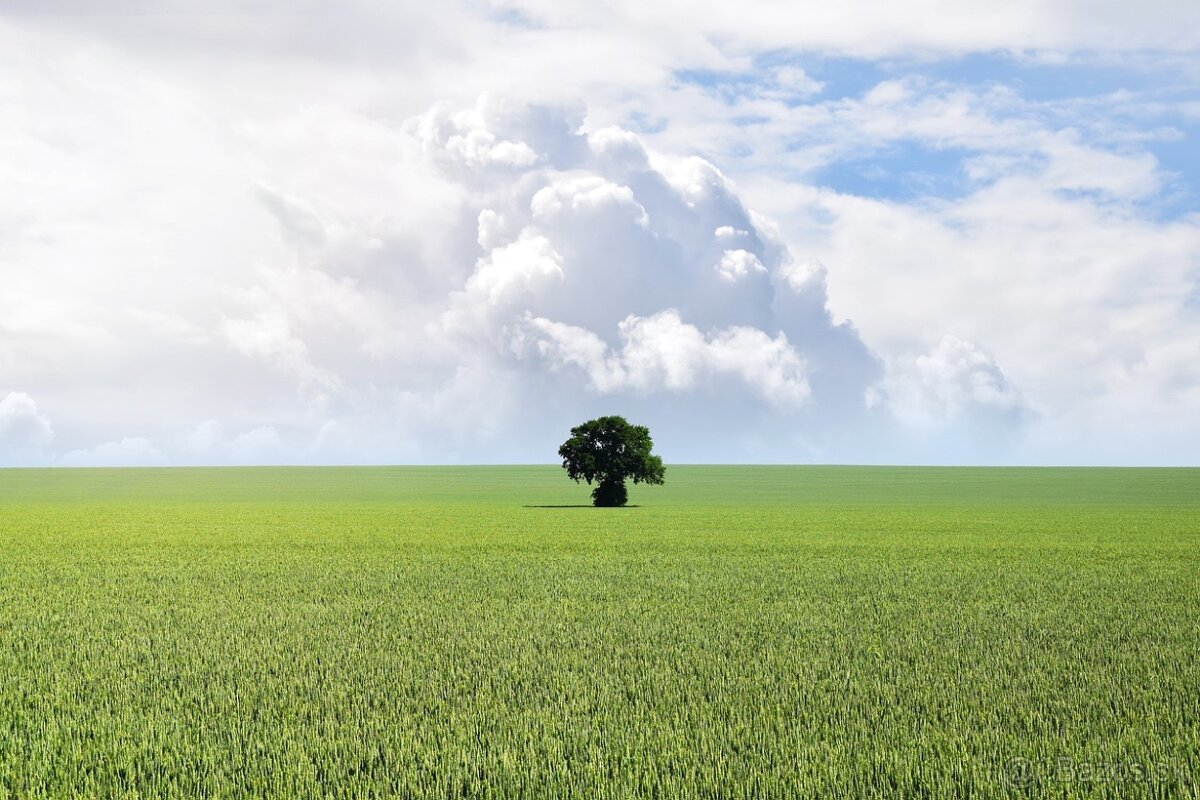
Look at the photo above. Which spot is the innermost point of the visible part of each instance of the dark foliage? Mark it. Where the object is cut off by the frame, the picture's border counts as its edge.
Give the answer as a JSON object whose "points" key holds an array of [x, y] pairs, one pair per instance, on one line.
{"points": [[609, 451]]}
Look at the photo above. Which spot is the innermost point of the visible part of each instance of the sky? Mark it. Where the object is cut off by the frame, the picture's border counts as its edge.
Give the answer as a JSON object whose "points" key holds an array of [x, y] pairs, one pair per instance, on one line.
{"points": [[375, 232]]}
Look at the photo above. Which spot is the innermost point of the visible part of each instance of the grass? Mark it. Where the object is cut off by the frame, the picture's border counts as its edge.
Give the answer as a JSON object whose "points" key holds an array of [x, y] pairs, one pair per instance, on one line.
{"points": [[744, 632]]}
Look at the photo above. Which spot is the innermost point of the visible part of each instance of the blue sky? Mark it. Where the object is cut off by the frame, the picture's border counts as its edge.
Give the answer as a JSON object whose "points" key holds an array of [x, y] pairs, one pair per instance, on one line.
{"points": [[921, 232], [1136, 106]]}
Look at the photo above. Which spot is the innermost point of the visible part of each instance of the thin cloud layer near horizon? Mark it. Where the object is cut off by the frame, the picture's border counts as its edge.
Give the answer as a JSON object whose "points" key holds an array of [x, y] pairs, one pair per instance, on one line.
{"points": [[920, 232]]}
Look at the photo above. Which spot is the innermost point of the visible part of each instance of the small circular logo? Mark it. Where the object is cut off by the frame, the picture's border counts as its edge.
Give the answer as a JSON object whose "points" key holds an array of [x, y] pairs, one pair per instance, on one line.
{"points": [[1018, 773]]}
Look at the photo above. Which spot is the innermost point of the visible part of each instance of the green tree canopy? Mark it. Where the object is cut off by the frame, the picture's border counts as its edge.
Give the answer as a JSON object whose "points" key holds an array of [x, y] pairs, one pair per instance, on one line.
{"points": [[609, 451]]}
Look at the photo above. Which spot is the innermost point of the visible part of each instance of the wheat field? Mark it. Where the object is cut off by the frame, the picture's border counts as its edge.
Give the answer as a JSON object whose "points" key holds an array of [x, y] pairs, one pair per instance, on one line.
{"points": [[742, 632]]}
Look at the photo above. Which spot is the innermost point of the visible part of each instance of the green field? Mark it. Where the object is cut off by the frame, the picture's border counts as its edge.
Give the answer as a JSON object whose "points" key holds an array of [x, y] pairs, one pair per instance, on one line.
{"points": [[743, 632]]}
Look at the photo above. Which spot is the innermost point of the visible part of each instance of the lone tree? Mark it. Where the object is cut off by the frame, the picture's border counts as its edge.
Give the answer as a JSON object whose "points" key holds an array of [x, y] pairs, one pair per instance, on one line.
{"points": [[610, 451]]}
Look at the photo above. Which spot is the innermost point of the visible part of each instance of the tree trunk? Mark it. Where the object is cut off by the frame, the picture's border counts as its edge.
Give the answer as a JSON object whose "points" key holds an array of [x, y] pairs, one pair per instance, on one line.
{"points": [[610, 493]]}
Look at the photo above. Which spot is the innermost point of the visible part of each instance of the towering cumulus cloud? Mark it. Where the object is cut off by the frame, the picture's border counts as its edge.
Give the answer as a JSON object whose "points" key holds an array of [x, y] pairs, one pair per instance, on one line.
{"points": [[517, 272], [611, 277]]}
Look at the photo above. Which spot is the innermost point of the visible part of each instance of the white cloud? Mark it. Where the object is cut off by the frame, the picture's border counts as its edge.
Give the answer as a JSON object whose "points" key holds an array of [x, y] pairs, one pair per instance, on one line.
{"points": [[261, 445], [695, 178], [1074, 166], [25, 433], [801, 276], [737, 264], [1078, 299], [887, 93], [464, 139], [268, 336], [514, 268], [622, 148], [952, 381], [662, 352], [205, 441], [589, 195], [793, 82], [128, 452], [492, 230], [769, 364], [874, 28]]}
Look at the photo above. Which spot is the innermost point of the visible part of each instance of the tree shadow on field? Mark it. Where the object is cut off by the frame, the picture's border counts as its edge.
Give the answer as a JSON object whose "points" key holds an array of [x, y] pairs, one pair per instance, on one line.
{"points": [[578, 505]]}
